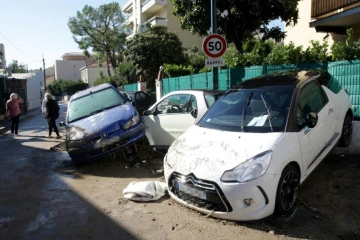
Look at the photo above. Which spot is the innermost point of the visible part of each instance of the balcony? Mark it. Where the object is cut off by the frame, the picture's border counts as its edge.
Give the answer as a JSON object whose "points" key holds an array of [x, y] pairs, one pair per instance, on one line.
{"points": [[128, 7], [154, 21], [152, 6], [334, 15], [128, 20]]}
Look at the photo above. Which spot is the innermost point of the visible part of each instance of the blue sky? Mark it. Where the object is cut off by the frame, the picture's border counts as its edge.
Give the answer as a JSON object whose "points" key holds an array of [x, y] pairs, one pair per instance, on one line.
{"points": [[39, 27]]}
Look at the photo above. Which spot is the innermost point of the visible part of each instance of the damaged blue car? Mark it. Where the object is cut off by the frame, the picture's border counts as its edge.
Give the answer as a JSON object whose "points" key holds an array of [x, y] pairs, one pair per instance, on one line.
{"points": [[100, 121]]}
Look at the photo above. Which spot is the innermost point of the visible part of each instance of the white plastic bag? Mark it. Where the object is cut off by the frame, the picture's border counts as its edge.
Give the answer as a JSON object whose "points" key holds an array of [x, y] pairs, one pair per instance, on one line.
{"points": [[145, 191]]}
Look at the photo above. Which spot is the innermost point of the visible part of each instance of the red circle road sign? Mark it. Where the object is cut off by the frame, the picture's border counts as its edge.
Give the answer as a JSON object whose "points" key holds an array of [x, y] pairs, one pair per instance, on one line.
{"points": [[214, 45]]}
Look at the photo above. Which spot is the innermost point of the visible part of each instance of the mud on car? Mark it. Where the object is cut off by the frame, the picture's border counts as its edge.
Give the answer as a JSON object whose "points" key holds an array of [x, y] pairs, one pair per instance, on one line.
{"points": [[247, 156], [99, 121]]}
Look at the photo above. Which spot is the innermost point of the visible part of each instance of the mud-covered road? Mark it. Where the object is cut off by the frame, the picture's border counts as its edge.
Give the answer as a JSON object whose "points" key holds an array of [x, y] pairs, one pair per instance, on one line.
{"points": [[41, 198]]}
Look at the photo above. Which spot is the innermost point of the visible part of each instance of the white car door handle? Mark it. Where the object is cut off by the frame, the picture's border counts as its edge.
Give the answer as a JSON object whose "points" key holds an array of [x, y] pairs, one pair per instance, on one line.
{"points": [[331, 110]]}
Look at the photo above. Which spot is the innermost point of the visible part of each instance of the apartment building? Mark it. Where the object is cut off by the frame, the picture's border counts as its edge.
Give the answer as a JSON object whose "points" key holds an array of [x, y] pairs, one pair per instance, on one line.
{"points": [[92, 72], [324, 19], [156, 12], [70, 65]]}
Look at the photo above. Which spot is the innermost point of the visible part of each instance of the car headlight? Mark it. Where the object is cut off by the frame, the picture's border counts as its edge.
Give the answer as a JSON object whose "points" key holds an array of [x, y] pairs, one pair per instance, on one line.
{"points": [[133, 121], [249, 170]]}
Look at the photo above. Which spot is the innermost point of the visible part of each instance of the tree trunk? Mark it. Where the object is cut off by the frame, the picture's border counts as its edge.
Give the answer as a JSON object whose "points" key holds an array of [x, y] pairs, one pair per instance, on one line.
{"points": [[107, 63]]}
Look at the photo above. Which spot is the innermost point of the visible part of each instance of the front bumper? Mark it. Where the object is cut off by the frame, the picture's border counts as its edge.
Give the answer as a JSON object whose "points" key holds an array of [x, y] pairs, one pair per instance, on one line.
{"points": [[225, 200], [97, 148]]}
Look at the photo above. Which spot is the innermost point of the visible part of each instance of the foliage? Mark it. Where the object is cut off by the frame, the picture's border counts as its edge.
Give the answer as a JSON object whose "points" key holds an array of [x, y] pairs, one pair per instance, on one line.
{"points": [[126, 73], [104, 79], [100, 29], [15, 67], [151, 49], [204, 70], [196, 58], [59, 87], [237, 20], [348, 50], [173, 70]]}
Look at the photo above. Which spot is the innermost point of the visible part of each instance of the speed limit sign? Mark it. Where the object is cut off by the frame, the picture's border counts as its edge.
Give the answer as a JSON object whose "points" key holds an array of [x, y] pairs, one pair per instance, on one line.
{"points": [[214, 45]]}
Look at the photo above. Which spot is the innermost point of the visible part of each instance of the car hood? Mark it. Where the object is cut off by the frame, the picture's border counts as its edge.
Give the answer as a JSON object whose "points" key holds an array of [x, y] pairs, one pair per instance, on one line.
{"points": [[207, 153], [108, 121]]}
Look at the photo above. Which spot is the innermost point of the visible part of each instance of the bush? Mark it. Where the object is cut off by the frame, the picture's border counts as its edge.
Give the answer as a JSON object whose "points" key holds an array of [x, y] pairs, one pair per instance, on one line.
{"points": [[349, 50], [60, 87], [173, 70]]}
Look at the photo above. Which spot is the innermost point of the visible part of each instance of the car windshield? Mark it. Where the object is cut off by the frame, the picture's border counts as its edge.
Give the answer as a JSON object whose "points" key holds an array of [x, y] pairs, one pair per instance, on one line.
{"points": [[250, 110], [94, 103], [210, 99]]}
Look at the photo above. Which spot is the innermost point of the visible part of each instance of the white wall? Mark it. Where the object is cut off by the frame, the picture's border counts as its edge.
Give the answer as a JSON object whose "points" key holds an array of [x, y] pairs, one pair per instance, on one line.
{"points": [[68, 69], [90, 75], [33, 90]]}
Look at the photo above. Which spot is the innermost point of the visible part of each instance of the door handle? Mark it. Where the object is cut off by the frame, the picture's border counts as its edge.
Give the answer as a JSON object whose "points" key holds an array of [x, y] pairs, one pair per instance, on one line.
{"points": [[331, 110]]}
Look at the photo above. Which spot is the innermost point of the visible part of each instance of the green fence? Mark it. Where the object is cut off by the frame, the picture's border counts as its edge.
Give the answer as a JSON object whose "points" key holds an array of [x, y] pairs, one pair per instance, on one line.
{"points": [[130, 87], [347, 73]]}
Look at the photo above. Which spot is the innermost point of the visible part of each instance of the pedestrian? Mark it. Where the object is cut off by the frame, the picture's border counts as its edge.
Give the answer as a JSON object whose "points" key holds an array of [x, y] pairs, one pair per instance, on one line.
{"points": [[52, 113], [43, 105], [13, 111]]}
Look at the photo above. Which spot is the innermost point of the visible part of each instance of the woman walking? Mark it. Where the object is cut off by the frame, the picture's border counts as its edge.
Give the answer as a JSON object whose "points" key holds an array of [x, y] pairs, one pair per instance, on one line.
{"points": [[52, 113], [13, 111]]}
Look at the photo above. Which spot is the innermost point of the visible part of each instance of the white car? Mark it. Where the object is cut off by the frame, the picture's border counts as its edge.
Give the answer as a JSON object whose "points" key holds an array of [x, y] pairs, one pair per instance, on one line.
{"points": [[247, 156], [174, 113]]}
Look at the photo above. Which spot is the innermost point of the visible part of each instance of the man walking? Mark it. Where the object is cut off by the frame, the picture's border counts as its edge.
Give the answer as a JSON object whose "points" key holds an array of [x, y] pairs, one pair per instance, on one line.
{"points": [[52, 113]]}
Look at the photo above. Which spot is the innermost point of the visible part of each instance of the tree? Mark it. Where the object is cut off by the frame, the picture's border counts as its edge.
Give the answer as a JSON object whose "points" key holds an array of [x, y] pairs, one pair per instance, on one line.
{"points": [[15, 67], [237, 20], [153, 48], [100, 29]]}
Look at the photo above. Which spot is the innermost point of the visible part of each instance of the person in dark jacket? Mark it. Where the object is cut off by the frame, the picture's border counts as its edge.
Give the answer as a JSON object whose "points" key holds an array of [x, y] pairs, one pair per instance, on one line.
{"points": [[52, 113]]}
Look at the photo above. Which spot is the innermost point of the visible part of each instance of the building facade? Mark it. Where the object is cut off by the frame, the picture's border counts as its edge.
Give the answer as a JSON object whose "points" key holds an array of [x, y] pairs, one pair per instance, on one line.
{"points": [[90, 73], [156, 12], [69, 67], [320, 19]]}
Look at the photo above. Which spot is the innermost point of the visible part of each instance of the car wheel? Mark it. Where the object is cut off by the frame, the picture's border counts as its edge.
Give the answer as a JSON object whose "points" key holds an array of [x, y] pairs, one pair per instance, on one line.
{"points": [[347, 131], [287, 192]]}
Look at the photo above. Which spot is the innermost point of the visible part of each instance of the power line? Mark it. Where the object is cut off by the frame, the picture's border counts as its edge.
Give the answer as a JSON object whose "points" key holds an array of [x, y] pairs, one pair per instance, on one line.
{"points": [[19, 49]]}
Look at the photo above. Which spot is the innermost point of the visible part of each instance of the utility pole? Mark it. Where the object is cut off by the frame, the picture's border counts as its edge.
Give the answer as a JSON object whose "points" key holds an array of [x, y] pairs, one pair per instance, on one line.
{"points": [[44, 73], [213, 30]]}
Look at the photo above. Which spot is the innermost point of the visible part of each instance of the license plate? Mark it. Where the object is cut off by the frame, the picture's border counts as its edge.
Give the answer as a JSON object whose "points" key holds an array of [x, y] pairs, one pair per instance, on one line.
{"points": [[191, 191]]}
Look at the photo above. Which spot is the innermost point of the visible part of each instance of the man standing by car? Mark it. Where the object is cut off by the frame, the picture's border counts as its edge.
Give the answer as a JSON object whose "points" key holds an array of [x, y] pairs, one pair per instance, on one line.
{"points": [[52, 113]]}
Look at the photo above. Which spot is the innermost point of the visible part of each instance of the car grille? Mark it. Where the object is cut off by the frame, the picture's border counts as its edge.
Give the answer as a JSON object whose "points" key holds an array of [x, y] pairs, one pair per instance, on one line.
{"points": [[212, 198], [108, 148]]}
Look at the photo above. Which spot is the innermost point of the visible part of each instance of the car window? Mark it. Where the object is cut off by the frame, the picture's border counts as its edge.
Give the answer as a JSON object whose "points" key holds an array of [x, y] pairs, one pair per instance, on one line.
{"points": [[177, 103], [210, 99], [250, 110], [137, 97], [93, 103], [143, 95], [311, 99], [192, 104]]}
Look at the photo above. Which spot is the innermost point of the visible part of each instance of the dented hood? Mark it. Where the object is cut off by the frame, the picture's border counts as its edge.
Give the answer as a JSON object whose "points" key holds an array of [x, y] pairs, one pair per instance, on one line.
{"points": [[108, 121], [207, 153]]}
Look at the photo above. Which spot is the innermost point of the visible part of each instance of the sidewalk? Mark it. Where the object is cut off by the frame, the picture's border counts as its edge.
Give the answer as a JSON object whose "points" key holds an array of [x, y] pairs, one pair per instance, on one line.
{"points": [[5, 124]]}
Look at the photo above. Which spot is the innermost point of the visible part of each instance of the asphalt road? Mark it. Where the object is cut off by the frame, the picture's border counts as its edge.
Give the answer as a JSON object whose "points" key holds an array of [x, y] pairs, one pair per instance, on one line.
{"points": [[35, 203]]}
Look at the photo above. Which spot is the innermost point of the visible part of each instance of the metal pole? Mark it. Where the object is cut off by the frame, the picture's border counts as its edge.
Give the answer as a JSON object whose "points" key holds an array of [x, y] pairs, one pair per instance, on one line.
{"points": [[213, 30], [44, 74]]}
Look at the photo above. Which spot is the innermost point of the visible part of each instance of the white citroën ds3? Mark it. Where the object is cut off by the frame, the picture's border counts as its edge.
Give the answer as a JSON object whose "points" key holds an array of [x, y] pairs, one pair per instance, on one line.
{"points": [[246, 158]]}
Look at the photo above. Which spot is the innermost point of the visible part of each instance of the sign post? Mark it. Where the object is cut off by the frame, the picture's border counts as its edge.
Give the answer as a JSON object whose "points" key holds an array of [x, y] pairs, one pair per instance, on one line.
{"points": [[214, 46], [213, 31]]}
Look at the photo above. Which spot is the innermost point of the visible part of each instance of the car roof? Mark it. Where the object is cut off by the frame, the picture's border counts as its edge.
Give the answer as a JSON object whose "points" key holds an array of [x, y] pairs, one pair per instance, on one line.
{"points": [[90, 90], [198, 91], [289, 78]]}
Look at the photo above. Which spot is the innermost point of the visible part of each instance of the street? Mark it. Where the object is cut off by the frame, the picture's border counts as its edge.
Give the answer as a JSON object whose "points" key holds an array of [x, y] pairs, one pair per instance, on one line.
{"points": [[43, 198]]}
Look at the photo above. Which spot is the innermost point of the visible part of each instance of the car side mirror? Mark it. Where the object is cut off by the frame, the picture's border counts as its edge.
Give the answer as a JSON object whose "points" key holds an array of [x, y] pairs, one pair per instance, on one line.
{"points": [[62, 124], [194, 113], [147, 112], [311, 119]]}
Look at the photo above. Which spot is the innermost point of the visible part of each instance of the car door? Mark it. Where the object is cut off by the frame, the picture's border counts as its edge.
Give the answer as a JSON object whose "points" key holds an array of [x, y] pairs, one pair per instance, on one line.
{"points": [[139, 102], [170, 119], [144, 101], [313, 141]]}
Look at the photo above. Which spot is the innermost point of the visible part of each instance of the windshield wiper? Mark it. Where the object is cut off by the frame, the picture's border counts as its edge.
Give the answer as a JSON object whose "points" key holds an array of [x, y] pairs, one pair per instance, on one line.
{"points": [[268, 111], [243, 111]]}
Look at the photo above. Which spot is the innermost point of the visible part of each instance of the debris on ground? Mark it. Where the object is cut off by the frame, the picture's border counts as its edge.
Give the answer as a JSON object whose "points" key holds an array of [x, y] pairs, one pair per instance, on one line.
{"points": [[145, 191]]}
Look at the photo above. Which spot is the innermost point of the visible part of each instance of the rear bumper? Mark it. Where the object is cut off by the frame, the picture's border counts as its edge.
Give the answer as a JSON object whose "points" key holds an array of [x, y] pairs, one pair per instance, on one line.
{"points": [[114, 142]]}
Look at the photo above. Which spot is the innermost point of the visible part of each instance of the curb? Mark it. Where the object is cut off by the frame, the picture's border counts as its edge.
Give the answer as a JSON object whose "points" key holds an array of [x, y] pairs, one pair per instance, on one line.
{"points": [[4, 129]]}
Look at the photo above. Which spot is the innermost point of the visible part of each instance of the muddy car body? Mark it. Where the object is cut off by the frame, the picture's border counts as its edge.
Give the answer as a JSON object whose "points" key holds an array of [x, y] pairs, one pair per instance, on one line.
{"points": [[100, 121], [247, 156]]}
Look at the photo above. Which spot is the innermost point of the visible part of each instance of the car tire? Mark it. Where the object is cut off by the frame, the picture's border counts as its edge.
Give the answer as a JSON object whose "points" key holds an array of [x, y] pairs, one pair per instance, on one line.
{"points": [[347, 130], [287, 192]]}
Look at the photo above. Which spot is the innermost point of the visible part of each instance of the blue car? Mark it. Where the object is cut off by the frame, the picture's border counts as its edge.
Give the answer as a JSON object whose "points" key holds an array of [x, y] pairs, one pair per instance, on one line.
{"points": [[99, 121]]}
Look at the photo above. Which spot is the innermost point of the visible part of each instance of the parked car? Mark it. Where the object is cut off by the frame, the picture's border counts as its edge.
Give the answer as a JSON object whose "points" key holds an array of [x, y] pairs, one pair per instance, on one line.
{"points": [[168, 118], [140, 100], [99, 121], [247, 156]]}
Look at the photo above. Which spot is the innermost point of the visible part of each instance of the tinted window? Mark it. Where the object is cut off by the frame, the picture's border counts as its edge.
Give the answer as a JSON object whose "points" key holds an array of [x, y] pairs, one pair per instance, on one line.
{"points": [[93, 103], [174, 104], [143, 95], [311, 99], [137, 97], [263, 110]]}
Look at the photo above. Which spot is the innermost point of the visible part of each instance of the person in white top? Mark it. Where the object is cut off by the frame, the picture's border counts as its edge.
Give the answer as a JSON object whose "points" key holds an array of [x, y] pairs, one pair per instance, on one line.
{"points": [[43, 105]]}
